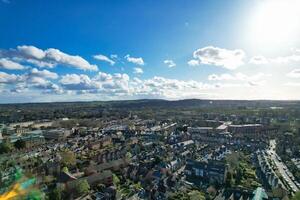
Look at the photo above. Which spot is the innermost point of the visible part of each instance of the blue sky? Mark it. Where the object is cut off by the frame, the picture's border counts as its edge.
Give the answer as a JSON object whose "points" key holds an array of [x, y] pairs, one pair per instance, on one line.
{"points": [[148, 46]]}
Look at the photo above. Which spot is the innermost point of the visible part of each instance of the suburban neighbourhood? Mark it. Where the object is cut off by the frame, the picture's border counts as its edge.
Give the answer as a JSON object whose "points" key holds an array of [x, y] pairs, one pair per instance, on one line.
{"points": [[212, 156]]}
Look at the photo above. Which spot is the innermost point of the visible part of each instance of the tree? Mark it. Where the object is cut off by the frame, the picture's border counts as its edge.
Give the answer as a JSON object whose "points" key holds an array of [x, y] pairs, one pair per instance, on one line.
{"points": [[68, 158], [82, 187], [296, 196], [228, 180], [100, 187], [56, 194], [239, 175], [128, 155], [6, 147], [20, 144], [116, 180], [65, 169], [196, 195], [34, 195]]}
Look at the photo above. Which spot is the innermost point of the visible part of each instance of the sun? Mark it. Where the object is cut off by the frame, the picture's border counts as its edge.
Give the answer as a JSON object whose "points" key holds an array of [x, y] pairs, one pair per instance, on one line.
{"points": [[275, 22]]}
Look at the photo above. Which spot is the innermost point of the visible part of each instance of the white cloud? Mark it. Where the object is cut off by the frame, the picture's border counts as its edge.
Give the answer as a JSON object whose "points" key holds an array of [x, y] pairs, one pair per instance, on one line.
{"points": [[78, 82], [43, 73], [259, 60], [101, 83], [10, 78], [237, 77], [41, 63], [48, 87], [294, 73], [160, 87], [104, 58], [65, 59], [103, 77], [137, 61], [19, 88], [229, 59], [46, 58], [294, 57], [118, 84], [113, 56], [170, 63], [33, 79], [138, 70], [253, 80], [193, 62], [11, 65], [293, 84], [32, 51], [286, 59]]}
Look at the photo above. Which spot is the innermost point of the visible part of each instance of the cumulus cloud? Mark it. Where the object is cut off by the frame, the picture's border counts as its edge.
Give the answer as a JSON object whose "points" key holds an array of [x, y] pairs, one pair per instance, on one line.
{"points": [[237, 77], [253, 80], [193, 62], [286, 59], [294, 57], [65, 59], [78, 82], [43, 73], [229, 59], [31, 51], [10, 78], [259, 60], [121, 85], [39, 63], [138, 70], [118, 84], [46, 58], [294, 73], [102, 82], [170, 63], [11, 65], [113, 56], [48, 87], [137, 61], [168, 88], [20, 87], [34, 79], [103, 77], [104, 58]]}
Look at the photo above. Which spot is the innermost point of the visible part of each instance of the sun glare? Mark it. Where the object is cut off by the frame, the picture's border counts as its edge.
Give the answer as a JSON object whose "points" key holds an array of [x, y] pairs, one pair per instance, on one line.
{"points": [[275, 22]]}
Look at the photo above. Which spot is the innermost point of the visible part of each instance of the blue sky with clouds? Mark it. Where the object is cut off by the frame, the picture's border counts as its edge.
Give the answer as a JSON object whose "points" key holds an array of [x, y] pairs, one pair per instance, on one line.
{"points": [[103, 50]]}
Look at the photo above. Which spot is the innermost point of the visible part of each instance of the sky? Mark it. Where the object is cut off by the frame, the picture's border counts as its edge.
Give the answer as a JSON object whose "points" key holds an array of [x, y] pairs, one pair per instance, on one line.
{"points": [[71, 50]]}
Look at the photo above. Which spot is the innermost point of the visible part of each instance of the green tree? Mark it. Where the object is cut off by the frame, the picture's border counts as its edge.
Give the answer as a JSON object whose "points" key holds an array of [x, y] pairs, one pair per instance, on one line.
{"points": [[6, 147], [20, 144], [296, 196], [196, 195], [116, 180], [68, 158], [128, 155], [65, 169], [100, 187], [35, 195], [56, 194], [228, 180], [239, 175], [82, 187]]}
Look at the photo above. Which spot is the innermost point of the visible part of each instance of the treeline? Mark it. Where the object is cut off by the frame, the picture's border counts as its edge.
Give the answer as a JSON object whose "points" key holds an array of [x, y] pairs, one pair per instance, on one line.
{"points": [[145, 108]]}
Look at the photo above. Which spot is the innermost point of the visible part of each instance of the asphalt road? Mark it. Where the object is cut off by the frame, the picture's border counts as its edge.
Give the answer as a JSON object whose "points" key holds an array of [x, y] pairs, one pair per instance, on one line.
{"points": [[283, 170]]}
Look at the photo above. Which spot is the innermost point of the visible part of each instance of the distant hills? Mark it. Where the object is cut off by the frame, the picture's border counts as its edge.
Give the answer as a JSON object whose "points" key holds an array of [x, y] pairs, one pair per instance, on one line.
{"points": [[162, 103], [119, 109]]}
